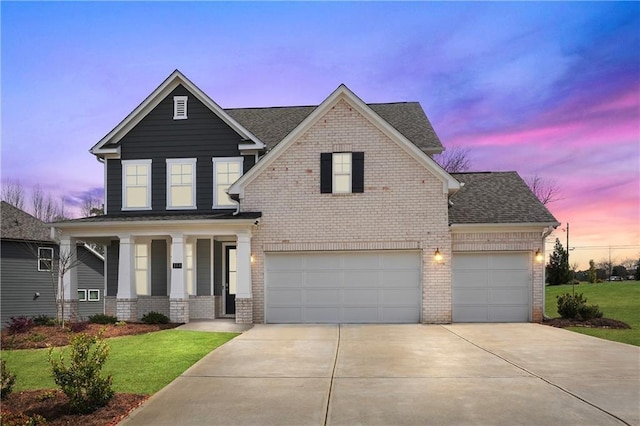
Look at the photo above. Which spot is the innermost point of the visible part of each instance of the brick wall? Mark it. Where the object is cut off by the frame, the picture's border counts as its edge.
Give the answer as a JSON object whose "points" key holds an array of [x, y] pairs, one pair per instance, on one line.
{"points": [[110, 305], [202, 307], [147, 304], [402, 203]]}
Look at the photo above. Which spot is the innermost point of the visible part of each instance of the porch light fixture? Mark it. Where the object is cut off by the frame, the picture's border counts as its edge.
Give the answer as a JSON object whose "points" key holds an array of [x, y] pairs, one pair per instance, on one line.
{"points": [[539, 257], [252, 259], [437, 256]]}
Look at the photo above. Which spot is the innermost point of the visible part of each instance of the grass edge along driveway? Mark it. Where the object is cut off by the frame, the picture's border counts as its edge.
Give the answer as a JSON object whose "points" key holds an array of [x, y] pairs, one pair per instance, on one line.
{"points": [[141, 364], [617, 300]]}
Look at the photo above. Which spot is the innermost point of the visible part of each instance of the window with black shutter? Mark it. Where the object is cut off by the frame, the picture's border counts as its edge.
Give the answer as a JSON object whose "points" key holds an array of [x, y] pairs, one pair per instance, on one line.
{"points": [[341, 172]]}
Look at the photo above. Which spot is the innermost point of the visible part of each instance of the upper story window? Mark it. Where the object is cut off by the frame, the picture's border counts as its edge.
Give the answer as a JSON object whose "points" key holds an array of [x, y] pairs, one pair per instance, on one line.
{"points": [[45, 258], [181, 183], [136, 184], [225, 172], [180, 107], [341, 172]]}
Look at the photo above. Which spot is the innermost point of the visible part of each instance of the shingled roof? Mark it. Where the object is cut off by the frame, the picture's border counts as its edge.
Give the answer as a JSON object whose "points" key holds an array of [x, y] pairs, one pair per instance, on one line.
{"points": [[16, 224], [271, 125], [496, 197]]}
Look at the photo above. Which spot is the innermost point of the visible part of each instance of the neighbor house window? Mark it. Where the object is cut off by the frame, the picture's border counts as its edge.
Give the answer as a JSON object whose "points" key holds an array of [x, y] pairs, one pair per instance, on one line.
{"points": [[225, 172], [93, 295], [82, 295], [45, 258], [181, 183], [191, 285], [180, 107], [141, 253], [341, 172], [136, 184]]}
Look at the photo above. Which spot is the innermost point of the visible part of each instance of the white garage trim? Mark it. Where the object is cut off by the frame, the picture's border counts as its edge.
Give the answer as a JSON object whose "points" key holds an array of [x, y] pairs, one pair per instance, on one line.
{"points": [[492, 287], [343, 287]]}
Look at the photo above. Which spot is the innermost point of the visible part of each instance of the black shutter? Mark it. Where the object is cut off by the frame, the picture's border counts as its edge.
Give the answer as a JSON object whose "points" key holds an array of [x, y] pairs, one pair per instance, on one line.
{"points": [[357, 179], [326, 171]]}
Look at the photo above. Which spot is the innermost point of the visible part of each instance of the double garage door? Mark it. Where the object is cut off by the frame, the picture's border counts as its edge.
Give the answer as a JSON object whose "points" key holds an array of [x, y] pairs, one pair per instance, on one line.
{"points": [[491, 287], [343, 287]]}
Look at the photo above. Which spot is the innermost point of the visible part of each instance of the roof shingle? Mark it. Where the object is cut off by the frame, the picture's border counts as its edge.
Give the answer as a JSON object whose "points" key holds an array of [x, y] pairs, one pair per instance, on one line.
{"points": [[16, 224], [496, 197]]}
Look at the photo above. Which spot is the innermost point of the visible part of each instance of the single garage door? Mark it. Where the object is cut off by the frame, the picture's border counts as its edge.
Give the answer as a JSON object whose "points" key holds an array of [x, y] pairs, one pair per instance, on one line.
{"points": [[343, 287], [491, 287]]}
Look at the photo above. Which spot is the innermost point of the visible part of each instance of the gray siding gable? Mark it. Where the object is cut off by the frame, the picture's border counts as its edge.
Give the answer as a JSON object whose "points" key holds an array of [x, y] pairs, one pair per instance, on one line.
{"points": [[203, 135]]}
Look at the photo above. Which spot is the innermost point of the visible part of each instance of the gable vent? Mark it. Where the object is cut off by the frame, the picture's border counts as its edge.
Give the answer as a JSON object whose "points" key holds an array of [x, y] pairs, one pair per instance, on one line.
{"points": [[180, 107]]}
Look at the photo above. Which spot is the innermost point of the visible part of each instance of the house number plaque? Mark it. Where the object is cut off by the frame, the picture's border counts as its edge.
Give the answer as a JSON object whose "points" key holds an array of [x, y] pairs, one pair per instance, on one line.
{"points": [[177, 266]]}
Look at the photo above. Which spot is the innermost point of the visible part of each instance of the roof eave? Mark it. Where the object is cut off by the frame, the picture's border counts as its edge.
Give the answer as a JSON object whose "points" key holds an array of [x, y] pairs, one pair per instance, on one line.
{"points": [[511, 226]]}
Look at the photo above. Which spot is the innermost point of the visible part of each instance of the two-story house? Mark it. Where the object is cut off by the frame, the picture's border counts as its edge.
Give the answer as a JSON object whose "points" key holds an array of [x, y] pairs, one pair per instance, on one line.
{"points": [[314, 214]]}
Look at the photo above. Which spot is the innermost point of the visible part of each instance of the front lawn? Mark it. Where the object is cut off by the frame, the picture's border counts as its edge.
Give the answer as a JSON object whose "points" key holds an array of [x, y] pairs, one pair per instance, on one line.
{"points": [[617, 300], [141, 364]]}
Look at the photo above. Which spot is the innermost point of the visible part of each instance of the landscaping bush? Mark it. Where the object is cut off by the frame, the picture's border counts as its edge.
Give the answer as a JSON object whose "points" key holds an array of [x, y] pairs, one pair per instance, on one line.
{"points": [[102, 319], [575, 307], [8, 380], [44, 320], [80, 380], [20, 324], [154, 317], [77, 326], [8, 418]]}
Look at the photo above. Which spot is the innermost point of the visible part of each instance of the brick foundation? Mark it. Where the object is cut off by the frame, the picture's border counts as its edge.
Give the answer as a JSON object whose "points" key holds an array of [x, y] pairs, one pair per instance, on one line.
{"points": [[70, 310], [202, 307], [244, 311], [179, 310], [126, 309], [147, 304], [110, 306]]}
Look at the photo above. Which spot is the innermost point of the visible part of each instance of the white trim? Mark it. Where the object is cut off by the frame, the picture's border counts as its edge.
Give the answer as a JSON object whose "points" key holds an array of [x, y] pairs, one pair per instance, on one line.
{"points": [[216, 161], [126, 163], [449, 184], [40, 259], [89, 299], [224, 275], [192, 162], [104, 205], [500, 227], [178, 102], [166, 87], [82, 298], [212, 265]]}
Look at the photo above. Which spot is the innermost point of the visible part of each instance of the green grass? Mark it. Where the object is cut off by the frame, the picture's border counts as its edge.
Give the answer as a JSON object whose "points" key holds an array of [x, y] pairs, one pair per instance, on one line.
{"points": [[617, 300], [141, 364]]}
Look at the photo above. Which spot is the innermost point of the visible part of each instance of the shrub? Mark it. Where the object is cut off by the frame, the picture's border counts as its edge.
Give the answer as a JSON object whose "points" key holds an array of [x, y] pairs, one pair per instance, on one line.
{"points": [[8, 380], [575, 307], [102, 319], [44, 320], [20, 324], [8, 418], [154, 317], [121, 323], [80, 380], [77, 326]]}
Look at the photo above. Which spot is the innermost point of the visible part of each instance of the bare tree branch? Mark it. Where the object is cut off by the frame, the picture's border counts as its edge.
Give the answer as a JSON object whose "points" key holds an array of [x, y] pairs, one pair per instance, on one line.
{"points": [[546, 190], [91, 206], [13, 193], [454, 160], [44, 207]]}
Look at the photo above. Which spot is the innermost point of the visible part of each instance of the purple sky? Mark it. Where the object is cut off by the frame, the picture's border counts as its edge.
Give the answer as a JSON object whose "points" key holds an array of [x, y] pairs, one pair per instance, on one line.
{"points": [[546, 88]]}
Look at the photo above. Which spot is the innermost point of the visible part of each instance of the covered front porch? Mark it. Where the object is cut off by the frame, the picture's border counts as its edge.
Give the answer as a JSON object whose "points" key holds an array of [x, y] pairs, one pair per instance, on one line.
{"points": [[185, 268]]}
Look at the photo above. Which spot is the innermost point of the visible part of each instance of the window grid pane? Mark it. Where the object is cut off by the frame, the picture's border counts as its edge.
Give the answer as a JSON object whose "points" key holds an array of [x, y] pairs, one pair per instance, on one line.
{"points": [[136, 185], [181, 182], [342, 173], [227, 172]]}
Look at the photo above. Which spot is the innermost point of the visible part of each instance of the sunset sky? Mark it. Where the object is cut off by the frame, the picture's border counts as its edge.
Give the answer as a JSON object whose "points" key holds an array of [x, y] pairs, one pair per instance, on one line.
{"points": [[540, 88]]}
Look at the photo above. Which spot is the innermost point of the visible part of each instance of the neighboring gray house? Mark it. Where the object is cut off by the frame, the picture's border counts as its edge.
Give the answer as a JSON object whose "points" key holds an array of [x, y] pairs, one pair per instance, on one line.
{"points": [[315, 214], [25, 269]]}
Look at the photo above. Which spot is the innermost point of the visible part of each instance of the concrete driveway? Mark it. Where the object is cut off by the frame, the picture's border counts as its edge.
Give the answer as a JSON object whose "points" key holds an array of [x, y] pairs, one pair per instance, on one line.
{"points": [[461, 374]]}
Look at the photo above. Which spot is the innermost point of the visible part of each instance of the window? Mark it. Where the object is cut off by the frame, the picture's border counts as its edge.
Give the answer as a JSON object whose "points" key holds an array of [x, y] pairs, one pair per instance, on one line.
{"points": [[181, 183], [180, 107], [82, 295], [191, 288], [45, 258], [225, 172], [142, 268], [341, 172], [136, 184], [93, 295]]}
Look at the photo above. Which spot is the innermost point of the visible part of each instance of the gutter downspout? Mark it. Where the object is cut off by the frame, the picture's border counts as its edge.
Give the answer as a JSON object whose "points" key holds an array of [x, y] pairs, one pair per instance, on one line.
{"points": [[545, 233], [236, 198]]}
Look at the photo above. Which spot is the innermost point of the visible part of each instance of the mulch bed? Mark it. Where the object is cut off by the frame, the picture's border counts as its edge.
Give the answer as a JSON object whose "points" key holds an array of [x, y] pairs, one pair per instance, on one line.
{"points": [[53, 405], [593, 323], [48, 336]]}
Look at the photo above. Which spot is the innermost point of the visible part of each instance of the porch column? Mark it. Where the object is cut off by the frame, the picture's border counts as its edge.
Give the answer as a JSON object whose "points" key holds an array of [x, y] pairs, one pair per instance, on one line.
{"points": [[67, 272], [178, 297], [244, 298], [126, 298]]}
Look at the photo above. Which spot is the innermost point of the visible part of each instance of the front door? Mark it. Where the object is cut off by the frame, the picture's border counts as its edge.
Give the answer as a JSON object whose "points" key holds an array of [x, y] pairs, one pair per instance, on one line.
{"points": [[230, 277]]}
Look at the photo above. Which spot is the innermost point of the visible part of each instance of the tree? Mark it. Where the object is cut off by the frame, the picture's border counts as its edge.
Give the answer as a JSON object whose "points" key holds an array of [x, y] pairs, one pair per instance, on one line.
{"points": [[558, 267], [637, 277], [593, 277], [44, 207], [606, 266], [546, 190], [454, 160], [619, 271], [91, 206], [13, 193]]}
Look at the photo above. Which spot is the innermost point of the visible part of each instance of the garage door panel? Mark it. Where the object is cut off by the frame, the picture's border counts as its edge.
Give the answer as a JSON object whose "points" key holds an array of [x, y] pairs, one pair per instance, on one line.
{"points": [[322, 279], [360, 278], [491, 287], [470, 296], [361, 297], [357, 287]]}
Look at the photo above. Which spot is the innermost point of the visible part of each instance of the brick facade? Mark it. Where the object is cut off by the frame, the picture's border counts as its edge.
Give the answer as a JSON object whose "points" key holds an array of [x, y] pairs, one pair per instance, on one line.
{"points": [[179, 310], [148, 304], [68, 309], [126, 309], [403, 203], [202, 307]]}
